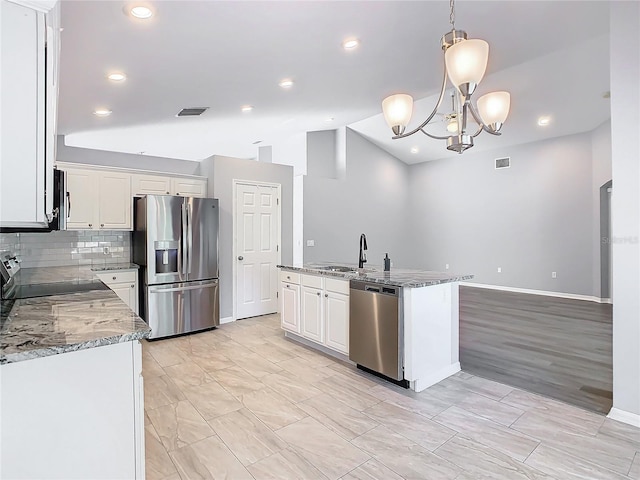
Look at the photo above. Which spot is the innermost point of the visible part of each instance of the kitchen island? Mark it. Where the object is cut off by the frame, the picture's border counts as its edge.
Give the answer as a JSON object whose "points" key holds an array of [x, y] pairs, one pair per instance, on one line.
{"points": [[428, 313], [71, 386]]}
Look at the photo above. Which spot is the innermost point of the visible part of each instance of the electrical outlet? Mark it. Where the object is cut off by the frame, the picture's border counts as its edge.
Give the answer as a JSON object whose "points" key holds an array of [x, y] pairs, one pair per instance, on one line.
{"points": [[554, 275], [106, 250], [499, 269], [311, 243], [391, 264], [446, 266]]}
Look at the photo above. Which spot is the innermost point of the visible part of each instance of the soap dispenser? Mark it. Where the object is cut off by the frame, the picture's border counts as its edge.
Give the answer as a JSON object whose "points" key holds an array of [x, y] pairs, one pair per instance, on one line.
{"points": [[387, 263]]}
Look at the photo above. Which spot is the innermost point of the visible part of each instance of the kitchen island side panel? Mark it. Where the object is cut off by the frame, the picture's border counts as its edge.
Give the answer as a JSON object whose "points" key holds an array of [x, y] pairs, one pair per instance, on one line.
{"points": [[431, 334]]}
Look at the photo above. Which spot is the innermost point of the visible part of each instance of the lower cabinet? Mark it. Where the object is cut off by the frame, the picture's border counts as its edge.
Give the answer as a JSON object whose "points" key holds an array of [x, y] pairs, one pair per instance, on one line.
{"points": [[124, 283], [316, 308], [290, 306]]}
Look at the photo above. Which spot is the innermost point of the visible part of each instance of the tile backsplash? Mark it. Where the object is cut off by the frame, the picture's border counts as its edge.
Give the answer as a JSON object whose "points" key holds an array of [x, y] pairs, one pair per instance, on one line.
{"points": [[66, 248]]}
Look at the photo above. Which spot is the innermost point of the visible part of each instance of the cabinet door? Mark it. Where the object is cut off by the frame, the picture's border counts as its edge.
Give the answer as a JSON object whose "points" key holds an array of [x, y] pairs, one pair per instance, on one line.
{"points": [[336, 308], [290, 307], [150, 185], [311, 314], [189, 187], [115, 203], [82, 189], [22, 81]]}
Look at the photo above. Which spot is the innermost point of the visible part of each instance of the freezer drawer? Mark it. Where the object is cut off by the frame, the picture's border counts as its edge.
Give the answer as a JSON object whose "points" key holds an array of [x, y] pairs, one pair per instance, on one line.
{"points": [[184, 307]]}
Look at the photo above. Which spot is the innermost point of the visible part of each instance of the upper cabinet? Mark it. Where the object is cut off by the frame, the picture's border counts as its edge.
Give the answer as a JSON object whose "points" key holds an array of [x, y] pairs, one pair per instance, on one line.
{"points": [[28, 110], [189, 187], [143, 184], [98, 200]]}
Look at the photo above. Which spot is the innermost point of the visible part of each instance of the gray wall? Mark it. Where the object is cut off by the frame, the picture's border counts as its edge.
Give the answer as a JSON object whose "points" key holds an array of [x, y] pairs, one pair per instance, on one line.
{"points": [[221, 171], [321, 154], [530, 219], [124, 160], [372, 199]]}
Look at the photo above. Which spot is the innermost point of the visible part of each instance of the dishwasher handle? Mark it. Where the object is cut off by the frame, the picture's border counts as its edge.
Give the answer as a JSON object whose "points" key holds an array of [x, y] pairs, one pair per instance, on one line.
{"points": [[376, 288]]}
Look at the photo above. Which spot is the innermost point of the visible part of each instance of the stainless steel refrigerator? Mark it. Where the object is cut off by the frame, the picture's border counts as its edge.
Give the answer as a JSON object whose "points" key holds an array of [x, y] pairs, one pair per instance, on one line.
{"points": [[175, 242]]}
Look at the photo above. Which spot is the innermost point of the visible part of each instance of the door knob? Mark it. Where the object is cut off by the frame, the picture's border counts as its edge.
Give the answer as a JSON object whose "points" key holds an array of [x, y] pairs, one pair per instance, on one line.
{"points": [[240, 257]]}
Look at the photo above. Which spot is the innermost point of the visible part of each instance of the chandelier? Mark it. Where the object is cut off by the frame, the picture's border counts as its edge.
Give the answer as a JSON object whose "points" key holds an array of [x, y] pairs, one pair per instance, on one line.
{"points": [[465, 62]]}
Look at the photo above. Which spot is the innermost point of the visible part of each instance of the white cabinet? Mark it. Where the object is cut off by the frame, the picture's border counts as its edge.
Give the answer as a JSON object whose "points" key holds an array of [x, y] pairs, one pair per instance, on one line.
{"points": [[311, 321], [99, 200], [188, 187], [317, 308], [290, 306], [28, 100], [336, 310], [124, 283], [150, 185], [83, 416]]}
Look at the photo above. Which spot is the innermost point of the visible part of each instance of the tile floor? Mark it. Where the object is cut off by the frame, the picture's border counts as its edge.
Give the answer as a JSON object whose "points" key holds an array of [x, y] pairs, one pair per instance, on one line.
{"points": [[243, 402]]}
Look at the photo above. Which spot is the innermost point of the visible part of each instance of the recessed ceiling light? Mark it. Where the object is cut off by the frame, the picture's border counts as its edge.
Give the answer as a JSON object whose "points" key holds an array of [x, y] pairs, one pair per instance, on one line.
{"points": [[102, 112], [247, 108], [286, 83], [544, 121], [350, 43], [329, 119], [117, 77], [140, 11], [415, 150]]}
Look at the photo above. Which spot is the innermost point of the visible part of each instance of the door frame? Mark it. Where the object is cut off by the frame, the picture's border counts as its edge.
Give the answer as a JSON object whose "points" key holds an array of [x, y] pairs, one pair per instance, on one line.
{"points": [[234, 211]]}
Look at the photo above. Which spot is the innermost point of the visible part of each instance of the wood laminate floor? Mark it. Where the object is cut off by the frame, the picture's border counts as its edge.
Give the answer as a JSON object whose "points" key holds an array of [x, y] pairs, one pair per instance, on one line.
{"points": [[242, 402], [557, 347]]}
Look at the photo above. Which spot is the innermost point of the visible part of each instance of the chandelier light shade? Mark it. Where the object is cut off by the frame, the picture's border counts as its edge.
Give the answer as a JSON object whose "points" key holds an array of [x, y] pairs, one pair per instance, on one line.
{"points": [[494, 108], [397, 111], [465, 65]]}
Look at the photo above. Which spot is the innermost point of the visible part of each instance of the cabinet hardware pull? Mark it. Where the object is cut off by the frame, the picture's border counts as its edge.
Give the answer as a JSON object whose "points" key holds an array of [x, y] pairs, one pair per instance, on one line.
{"points": [[167, 193], [90, 225], [101, 225], [288, 286], [133, 286], [326, 295], [240, 258], [114, 278], [318, 293]]}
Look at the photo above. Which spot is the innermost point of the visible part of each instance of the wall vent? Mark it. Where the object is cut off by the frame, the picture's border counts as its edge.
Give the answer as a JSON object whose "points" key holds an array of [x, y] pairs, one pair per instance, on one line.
{"points": [[192, 112], [504, 162]]}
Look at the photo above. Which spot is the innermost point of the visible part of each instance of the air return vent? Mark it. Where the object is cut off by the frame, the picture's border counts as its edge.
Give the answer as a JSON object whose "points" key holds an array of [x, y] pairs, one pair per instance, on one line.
{"points": [[192, 112], [504, 162]]}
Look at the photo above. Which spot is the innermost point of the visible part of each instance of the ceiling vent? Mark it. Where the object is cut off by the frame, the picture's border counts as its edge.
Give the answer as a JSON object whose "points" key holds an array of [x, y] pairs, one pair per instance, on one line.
{"points": [[192, 112], [504, 162]]}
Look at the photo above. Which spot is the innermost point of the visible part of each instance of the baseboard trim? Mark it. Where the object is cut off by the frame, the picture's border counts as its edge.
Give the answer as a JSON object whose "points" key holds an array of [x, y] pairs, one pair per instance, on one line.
{"points": [[571, 296], [624, 417], [226, 320]]}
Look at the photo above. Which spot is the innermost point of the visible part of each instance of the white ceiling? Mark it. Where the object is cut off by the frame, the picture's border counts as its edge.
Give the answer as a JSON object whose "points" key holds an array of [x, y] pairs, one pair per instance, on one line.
{"points": [[552, 57]]}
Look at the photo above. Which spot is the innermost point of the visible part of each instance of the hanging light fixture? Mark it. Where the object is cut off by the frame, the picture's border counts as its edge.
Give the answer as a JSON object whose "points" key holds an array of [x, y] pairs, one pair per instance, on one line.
{"points": [[465, 64]]}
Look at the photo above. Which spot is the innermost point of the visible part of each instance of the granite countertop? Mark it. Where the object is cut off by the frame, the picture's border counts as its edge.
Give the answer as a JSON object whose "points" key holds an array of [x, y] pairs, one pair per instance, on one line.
{"points": [[87, 315], [39, 327], [397, 277]]}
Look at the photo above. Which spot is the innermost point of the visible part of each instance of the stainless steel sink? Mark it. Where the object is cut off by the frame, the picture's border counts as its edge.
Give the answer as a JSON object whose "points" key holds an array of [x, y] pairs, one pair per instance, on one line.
{"points": [[338, 268]]}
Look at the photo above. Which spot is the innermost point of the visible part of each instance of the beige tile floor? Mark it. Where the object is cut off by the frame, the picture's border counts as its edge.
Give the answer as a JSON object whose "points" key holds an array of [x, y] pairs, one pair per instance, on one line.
{"points": [[243, 402]]}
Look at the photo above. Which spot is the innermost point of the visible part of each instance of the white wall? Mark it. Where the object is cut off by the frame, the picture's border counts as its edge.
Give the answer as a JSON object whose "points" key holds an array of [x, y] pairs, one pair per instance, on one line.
{"points": [[625, 125]]}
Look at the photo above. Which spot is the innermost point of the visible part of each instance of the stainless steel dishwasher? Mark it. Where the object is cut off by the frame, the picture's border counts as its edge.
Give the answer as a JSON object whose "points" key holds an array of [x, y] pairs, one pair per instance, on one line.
{"points": [[376, 335]]}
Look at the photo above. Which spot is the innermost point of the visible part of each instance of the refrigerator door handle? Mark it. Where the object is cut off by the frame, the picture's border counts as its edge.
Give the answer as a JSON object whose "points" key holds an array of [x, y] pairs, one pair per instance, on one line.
{"points": [[181, 289], [183, 239], [189, 210]]}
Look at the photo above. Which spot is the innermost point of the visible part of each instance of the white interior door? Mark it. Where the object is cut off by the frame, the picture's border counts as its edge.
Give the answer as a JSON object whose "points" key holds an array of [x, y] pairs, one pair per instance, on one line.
{"points": [[257, 250]]}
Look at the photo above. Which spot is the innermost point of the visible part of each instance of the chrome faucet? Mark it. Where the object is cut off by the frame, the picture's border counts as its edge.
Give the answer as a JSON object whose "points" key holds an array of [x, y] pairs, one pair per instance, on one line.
{"points": [[363, 246]]}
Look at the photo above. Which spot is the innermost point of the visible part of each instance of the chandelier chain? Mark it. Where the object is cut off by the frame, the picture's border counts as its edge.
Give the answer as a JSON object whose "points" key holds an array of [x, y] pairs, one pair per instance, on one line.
{"points": [[452, 14]]}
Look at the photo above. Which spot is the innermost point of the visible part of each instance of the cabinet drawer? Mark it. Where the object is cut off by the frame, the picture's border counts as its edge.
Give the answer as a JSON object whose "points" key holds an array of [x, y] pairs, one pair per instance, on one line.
{"points": [[290, 277], [312, 281], [117, 277], [337, 286]]}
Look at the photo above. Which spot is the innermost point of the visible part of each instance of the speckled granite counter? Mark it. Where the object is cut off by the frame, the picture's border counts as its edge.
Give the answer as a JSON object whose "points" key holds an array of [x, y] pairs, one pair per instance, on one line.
{"points": [[39, 327], [397, 277]]}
